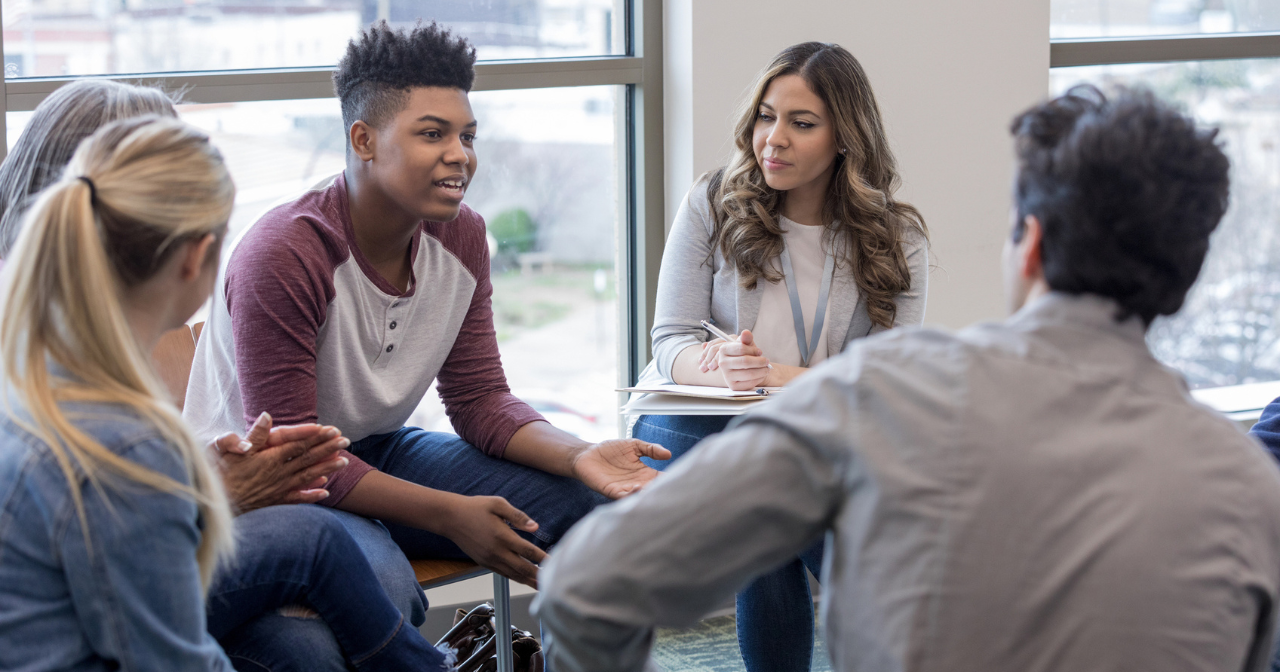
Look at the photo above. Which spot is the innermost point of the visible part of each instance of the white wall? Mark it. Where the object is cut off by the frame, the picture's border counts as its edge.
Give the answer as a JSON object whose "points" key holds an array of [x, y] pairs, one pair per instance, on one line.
{"points": [[948, 75]]}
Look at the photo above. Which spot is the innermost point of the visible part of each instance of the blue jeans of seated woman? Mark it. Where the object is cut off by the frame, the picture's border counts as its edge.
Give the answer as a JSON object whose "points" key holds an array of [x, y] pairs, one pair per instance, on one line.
{"points": [[308, 555], [774, 612]]}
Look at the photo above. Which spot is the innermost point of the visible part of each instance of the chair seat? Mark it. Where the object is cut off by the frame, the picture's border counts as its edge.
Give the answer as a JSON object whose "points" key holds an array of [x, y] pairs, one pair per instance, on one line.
{"points": [[435, 573]]}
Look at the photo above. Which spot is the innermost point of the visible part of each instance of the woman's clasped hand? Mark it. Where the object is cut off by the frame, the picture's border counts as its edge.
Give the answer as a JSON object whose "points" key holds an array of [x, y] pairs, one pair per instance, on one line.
{"points": [[742, 363]]}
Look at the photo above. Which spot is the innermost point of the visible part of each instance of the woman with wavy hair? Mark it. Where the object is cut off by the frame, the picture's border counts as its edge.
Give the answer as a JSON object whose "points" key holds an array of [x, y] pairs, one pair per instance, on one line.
{"points": [[796, 247]]}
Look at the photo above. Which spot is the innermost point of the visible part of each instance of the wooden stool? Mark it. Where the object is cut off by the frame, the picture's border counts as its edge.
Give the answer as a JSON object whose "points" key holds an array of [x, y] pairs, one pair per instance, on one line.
{"points": [[436, 573]]}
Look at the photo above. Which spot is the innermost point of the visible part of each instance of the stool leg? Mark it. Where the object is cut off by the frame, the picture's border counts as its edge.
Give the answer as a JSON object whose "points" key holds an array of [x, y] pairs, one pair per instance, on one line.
{"points": [[502, 605]]}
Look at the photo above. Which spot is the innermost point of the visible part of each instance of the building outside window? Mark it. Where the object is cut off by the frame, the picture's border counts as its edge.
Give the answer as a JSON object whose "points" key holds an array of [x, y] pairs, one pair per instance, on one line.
{"points": [[46, 38], [1149, 18]]}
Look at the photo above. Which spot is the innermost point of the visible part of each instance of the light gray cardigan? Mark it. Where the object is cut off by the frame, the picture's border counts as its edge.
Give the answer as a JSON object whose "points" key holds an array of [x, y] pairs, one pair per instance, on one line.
{"points": [[690, 289]]}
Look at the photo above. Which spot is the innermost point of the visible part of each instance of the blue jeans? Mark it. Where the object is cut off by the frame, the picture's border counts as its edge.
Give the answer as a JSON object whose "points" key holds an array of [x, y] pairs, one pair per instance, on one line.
{"points": [[774, 612], [446, 462], [313, 556]]}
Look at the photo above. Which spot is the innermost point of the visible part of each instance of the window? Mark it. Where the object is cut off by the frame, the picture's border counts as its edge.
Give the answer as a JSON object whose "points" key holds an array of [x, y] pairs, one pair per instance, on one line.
{"points": [[546, 185], [44, 38], [1228, 332], [1136, 18], [567, 148]]}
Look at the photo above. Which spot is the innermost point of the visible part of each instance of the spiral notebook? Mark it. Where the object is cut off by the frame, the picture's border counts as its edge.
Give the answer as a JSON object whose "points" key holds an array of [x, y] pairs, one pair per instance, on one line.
{"points": [[705, 392]]}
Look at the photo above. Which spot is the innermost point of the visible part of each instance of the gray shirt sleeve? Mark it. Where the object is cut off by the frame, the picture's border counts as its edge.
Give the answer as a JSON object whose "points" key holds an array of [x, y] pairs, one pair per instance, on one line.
{"points": [[911, 302], [685, 280], [745, 501]]}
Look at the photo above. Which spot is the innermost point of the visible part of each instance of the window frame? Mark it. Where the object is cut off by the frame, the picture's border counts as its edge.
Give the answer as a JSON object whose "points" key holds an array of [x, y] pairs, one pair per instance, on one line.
{"points": [[1065, 53], [639, 129]]}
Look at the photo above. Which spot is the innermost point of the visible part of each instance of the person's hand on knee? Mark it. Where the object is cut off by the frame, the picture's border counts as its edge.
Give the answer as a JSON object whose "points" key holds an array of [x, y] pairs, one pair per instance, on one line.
{"points": [[484, 528]]}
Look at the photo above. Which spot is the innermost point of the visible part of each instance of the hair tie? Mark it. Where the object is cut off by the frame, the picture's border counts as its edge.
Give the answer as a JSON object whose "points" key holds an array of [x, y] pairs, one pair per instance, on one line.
{"points": [[93, 191]]}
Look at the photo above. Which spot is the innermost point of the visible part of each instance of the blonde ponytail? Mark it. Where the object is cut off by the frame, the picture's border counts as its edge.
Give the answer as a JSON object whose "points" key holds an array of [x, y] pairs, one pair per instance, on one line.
{"points": [[130, 194]]}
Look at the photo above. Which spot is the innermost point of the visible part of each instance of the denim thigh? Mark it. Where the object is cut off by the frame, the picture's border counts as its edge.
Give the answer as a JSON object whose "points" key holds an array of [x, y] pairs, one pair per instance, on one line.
{"points": [[261, 533], [389, 564], [275, 643], [677, 433], [445, 462], [270, 641]]}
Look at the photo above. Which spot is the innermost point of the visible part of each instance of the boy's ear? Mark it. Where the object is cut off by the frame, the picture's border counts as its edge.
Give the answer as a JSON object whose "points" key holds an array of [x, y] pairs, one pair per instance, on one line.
{"points": [[362, 140], [1030, 265]]}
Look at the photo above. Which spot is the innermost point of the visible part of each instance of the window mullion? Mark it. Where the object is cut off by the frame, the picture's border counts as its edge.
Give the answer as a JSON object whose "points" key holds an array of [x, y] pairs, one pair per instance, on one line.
{"points": [[306, 83], [1113, 51]]}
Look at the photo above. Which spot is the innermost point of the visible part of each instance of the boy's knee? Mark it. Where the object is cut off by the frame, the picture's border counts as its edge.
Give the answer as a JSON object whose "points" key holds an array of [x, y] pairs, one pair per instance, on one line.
{"points": [[301, 525], [282, 644], [573, 502]]}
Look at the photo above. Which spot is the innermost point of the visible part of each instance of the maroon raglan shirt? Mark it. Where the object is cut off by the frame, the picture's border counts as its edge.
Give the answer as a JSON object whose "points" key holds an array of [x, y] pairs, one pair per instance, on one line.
{"points": [[304, 328]]}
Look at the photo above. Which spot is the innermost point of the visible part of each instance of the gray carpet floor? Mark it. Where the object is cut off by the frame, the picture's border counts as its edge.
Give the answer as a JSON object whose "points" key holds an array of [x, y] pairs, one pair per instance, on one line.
{"points": [[712, 646]]}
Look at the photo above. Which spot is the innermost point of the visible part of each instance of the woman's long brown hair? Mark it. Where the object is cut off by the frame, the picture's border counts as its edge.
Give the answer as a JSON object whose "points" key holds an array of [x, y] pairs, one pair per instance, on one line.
{"points": [[869, 225]]}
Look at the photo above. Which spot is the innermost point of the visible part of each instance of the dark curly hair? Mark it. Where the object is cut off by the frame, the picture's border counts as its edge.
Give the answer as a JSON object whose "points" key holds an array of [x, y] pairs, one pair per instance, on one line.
{"points": [[1127, 191], [381, 65]]}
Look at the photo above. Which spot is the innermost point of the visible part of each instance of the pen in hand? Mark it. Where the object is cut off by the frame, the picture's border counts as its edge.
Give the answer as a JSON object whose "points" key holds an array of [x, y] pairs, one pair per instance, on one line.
{"points": [[720, 334], [716, 332]]}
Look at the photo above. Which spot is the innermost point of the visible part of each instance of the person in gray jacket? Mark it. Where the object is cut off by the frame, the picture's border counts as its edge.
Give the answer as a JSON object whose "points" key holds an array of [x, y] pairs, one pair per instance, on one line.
{"points": [[797, 247], [1037, 494]]}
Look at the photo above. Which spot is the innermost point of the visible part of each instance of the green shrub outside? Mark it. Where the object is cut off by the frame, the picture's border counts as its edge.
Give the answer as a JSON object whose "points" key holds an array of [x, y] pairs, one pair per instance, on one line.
{"points": [[515, 231]]}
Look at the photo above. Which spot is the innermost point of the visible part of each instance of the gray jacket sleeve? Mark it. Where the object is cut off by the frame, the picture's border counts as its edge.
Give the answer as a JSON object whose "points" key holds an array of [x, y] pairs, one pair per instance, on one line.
{"points": [[744, 502], [911, 302], [685, 281]]}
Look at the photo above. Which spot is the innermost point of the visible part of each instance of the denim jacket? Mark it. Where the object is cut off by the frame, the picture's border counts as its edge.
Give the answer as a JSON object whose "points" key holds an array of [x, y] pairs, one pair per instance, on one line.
{"points": [[131, 599]]}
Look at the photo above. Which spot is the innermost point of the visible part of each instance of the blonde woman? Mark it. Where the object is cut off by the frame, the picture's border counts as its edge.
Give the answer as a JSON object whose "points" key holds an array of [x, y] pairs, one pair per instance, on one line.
{"points": [[113, 519], [797, 247]]}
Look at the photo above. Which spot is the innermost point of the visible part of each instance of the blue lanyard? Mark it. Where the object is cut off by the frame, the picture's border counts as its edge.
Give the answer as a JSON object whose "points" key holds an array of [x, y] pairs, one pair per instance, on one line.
{"points": [[828, 270]]}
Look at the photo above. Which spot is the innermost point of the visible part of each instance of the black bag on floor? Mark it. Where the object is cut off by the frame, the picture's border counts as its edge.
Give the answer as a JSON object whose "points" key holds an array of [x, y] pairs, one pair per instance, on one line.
{"points": [[474, 643]]}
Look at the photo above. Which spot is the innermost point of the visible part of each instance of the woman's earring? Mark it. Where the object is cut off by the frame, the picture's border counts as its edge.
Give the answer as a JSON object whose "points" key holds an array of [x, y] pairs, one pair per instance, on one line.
{"points": [[843, 150]]}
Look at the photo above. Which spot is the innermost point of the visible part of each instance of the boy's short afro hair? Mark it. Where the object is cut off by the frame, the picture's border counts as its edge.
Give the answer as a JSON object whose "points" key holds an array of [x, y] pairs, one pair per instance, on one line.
{"points": [[381, 65]]}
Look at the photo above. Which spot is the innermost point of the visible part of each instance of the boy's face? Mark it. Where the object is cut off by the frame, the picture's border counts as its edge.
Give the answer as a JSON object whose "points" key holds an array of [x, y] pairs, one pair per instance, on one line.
{"points": [[425, 155]]}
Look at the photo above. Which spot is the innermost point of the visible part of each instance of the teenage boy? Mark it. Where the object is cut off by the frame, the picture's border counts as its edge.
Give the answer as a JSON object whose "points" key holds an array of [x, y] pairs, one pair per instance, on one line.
{"points": [[344, 306], [1037, 494]]}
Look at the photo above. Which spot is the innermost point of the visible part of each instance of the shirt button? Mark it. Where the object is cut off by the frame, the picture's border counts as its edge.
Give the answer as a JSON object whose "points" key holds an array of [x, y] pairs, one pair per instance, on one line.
{"points": [[393, 324], [390, 348]]}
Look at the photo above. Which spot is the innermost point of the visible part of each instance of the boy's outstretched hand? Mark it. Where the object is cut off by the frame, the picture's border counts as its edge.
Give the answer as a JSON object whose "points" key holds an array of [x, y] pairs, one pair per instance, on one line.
{"points": [[613, 468]]}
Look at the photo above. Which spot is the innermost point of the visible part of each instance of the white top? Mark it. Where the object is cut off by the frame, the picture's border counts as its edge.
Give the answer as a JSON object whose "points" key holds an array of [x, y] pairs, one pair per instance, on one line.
{"points": [[697, 283], [775, 330]]}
